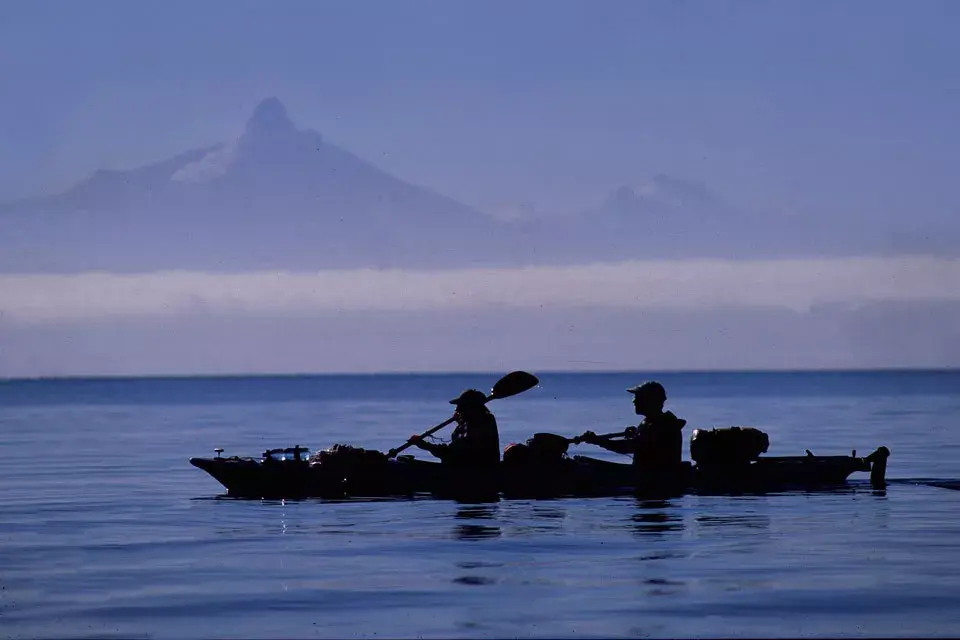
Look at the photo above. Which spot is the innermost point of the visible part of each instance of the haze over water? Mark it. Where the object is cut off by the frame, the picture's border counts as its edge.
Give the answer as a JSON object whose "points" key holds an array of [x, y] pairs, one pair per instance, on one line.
{"points": [[106, 530]]}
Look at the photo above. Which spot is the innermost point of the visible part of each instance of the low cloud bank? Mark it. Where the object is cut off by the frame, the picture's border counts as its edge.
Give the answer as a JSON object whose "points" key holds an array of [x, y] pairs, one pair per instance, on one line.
{"points": [[797, 285], [888, 334]]}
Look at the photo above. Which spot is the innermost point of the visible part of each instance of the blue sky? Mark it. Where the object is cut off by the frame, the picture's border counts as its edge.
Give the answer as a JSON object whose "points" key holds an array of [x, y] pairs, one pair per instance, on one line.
{"points": [[810, 108]]}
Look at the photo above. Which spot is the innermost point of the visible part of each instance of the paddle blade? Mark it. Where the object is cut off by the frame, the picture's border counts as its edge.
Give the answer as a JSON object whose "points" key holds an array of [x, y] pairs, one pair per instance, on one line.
{"points": [[513, 383]]}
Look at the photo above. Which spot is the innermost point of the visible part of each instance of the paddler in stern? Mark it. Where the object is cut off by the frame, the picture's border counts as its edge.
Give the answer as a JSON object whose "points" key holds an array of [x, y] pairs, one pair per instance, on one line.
{"points": [[657, 442], [475, 441]]}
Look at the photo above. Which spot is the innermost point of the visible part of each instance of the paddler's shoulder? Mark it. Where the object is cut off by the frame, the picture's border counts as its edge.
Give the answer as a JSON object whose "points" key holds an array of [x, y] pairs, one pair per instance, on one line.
{"points": [[670, 418]]}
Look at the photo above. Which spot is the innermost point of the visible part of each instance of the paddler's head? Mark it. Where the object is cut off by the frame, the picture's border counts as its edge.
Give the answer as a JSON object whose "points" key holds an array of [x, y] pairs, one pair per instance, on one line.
{"points": [[470, 402], [648, 398]]}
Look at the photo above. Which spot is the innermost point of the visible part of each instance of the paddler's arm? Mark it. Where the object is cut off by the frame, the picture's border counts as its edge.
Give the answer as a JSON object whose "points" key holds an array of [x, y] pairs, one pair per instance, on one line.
{"points": [[439, 450], [617, 446]]}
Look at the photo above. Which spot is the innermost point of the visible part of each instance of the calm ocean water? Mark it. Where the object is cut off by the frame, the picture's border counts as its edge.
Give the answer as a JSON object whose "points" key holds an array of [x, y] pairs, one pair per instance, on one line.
{"points": [[106, 530]]}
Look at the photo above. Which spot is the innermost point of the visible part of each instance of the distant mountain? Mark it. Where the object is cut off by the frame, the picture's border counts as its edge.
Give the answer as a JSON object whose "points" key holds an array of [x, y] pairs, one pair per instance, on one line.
{"points": [[663, 196], [671, 217], [666, 217], [279, 197], [275, 197]]}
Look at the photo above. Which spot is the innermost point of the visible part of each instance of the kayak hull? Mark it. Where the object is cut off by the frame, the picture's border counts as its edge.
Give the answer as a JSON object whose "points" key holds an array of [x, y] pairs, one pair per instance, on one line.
{"points": [[574, 476]]}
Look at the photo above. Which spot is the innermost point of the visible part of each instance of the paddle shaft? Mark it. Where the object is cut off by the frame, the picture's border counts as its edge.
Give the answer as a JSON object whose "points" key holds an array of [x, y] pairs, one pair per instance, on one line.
{"points": [[617, 434], [409, 443], [602, 436]]}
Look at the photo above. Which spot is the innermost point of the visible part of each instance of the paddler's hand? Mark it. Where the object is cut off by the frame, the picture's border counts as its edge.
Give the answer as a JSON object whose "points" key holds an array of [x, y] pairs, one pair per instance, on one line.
{"points": [[416, 439], [630, 432], [587, 436]]}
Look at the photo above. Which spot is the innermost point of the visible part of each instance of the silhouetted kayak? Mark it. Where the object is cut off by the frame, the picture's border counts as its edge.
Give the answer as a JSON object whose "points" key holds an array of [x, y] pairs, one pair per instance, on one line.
{"points": [[726, 460], [349, 472]]}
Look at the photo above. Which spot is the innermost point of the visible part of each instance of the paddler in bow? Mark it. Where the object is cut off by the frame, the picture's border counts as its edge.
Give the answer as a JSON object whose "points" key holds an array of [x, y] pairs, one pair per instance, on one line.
{"points": [[657, 442], [475, 441]]}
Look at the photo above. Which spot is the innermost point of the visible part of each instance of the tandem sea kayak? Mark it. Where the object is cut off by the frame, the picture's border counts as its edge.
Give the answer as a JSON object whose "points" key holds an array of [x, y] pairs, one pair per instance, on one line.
{"points": [[344, 471], [724, 460]]}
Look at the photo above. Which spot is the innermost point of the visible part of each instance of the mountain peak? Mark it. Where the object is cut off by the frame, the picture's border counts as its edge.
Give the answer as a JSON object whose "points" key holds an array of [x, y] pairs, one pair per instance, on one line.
{"points": [[691, 192], [626, 200], [270, 119]]}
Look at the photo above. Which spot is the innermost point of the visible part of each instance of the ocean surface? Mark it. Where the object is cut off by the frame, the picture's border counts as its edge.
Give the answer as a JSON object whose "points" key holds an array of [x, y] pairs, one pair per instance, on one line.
{"points": [[107, 531]]}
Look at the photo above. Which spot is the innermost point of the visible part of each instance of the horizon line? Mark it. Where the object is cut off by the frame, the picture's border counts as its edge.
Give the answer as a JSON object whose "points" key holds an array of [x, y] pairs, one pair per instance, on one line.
{"points": [[438, 373]]}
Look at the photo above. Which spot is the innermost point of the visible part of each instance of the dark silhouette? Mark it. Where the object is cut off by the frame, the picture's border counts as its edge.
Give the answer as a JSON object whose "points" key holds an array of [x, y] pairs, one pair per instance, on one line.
{"points": [[470, 469], [475, 441], [657, 442]]}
